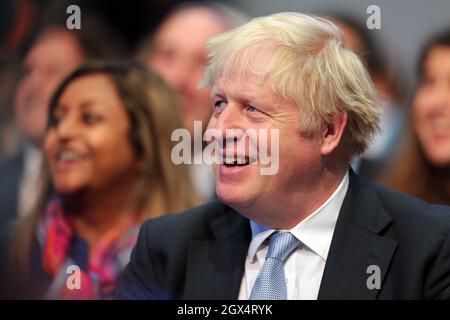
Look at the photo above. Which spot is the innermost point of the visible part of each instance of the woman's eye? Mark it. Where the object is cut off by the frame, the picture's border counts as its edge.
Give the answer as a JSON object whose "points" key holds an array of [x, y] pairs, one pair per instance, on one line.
{"points": [[55, 120], [91, 118], [254, 111]]}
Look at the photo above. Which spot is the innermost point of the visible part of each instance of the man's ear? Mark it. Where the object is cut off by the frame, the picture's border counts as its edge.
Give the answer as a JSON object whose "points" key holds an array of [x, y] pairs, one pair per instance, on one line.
{"points": [[333, 133]]}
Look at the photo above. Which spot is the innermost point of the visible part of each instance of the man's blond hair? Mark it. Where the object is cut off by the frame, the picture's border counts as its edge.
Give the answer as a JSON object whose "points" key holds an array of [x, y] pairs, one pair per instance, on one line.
{"points": [[306, 63]]}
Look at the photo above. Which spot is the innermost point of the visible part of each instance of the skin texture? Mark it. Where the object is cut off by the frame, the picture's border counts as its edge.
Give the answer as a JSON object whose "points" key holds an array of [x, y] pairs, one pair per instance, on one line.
{"points": [[179, 56], [431, 107], [51, 58]]}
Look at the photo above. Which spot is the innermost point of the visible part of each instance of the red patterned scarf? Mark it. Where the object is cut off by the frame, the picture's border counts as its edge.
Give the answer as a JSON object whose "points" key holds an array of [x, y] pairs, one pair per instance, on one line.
{"points": [[69, 281]]}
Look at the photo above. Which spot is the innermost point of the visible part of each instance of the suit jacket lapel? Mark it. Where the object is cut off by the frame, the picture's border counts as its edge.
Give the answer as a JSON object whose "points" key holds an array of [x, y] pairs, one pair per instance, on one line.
{"points": [[215, 267], [357, 244]]}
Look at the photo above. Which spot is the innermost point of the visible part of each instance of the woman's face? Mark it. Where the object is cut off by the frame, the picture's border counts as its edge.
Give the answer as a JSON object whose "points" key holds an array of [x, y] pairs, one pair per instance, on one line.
{"points": [[88, 145], [431, 107]]}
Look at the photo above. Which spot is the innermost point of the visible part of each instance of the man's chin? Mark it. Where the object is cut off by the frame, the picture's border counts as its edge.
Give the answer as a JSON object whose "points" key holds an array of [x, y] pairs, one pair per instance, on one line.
{"points": [[235, 199]]}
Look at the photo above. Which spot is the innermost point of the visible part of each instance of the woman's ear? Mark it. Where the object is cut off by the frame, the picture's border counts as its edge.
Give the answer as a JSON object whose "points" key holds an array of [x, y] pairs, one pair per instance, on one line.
{"points": [[333, 133]]}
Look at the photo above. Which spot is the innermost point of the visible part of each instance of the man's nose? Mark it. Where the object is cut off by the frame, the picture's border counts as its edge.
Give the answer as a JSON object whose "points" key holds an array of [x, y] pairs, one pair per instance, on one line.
{"points": [[230, 124], [229, 118]]}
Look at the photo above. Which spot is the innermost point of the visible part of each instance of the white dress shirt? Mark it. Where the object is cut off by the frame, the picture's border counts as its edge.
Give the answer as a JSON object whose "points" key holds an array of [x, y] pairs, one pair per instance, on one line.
{"points": [[304, 267]]}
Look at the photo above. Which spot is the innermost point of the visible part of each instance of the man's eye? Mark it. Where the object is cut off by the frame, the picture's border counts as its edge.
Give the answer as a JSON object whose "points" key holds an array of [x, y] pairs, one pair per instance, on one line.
{"points": [[219, 104], [252, 109]]}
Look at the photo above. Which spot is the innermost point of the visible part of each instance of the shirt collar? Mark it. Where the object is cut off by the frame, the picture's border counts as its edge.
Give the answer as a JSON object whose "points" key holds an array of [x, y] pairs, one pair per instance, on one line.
{"points": [[315, 232]]}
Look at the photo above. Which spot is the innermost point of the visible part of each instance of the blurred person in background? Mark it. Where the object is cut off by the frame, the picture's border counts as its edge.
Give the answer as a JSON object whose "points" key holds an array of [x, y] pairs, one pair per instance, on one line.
{"points": [[423, 167], [9, 140], [107, 151], [390, 89], [16, 20], [54, 53], [176, 51]]}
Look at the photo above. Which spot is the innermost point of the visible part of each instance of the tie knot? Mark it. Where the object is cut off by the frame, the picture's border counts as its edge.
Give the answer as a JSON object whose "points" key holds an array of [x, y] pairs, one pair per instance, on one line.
{"points": [[281, 245]]}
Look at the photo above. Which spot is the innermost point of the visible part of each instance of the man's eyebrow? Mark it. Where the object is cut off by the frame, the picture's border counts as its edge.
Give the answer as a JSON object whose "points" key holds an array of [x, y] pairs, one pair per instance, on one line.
{"points": [[216, 93], [242, 98]]}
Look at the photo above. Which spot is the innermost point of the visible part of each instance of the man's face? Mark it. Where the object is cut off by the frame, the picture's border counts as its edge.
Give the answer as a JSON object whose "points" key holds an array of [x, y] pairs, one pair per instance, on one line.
{"points": [[54, 55], [179, 56], [249, 103]]}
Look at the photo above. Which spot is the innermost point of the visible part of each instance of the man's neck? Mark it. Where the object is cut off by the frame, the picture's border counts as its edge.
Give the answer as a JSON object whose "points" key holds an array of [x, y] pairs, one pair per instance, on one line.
{"points": [[293, 209]]}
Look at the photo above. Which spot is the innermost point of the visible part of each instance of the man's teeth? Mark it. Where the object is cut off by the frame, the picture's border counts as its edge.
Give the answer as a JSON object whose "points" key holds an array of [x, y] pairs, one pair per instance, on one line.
{"points": [[238, 161], [68, 156]]}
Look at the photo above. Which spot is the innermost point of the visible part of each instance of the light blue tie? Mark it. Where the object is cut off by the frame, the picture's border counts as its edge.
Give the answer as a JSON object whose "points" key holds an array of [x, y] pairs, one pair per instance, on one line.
{"points": [[271, 283]]}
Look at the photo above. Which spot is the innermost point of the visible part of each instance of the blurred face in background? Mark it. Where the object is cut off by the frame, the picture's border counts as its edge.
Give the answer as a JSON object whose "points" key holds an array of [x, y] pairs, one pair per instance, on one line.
{"points": [[431, 108], [88, 145], [55, 54], [178, 55]]}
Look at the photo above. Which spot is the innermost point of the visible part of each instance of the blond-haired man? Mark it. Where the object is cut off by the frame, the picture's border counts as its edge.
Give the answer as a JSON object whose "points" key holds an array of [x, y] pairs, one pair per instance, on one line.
{"points": [[313, 229]]}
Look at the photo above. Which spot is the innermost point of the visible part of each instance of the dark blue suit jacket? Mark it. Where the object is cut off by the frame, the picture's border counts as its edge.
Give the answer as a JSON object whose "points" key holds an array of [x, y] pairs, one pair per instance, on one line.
{"points": [[10, 175], [200, 254]]}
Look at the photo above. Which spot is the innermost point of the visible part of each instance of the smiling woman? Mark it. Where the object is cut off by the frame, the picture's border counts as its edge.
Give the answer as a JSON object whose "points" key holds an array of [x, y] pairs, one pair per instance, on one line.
{"points": [[423, 169], [88, 127], [108, 168]]}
